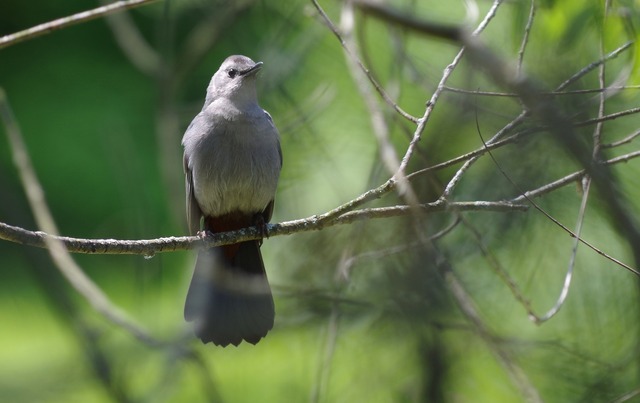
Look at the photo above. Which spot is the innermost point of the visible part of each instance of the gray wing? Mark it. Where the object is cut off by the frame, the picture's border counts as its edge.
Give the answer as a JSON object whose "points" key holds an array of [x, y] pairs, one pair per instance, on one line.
{"points": [[276, 129], [268, 211], [193, 208]]}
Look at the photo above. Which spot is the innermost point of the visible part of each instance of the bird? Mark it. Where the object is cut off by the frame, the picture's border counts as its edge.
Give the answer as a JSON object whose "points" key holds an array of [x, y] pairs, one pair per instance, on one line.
{"points": [[232, 163]]}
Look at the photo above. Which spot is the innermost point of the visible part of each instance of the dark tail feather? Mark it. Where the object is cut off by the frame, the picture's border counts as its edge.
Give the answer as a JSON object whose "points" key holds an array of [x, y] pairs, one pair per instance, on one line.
{"points": [[230, 301]]}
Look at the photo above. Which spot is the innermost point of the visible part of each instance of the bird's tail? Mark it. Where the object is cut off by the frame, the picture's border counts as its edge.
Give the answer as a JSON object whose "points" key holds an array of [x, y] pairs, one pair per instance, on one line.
{"points": [[229, 298]]}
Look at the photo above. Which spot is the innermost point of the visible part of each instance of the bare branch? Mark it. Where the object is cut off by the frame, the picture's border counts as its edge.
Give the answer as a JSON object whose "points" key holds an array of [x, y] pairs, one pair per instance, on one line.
{"points": [[65, 22], [387, 152], [59, 254], [467, 306], [610, 116], [564, 227], [626, 140], [170, 244], [587, 69], [586, 182], [362, 67], [520, 118], [448, 190], [382, 253], [527, 31], [447, 32], [572, 260], [627, 396], [439, 30], [529, 93], [132, 43], [495, 265], [568, 179], [513, 95], [464, 157]]}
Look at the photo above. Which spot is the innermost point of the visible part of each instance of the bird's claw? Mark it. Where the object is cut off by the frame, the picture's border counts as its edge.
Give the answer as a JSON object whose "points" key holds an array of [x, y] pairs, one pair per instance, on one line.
{"points": [[262, 227]]}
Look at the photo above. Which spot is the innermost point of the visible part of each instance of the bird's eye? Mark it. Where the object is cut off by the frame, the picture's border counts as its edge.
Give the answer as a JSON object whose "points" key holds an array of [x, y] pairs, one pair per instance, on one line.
{"points": [[232, 73]]}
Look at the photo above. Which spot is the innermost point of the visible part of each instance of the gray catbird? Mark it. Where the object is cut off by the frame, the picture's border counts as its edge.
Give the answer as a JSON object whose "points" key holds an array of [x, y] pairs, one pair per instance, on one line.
{"points": [[232, 162]]}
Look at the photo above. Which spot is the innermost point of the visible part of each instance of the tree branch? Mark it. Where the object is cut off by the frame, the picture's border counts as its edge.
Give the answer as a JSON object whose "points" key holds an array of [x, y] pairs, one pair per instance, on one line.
{"points": [[361, 65], [540, 106], [149, 247], [56, 248], [65, 22]]}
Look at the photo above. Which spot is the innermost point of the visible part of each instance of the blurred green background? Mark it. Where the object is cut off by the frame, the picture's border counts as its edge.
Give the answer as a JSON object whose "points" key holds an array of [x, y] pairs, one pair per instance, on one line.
{"points": [[363, 312]]}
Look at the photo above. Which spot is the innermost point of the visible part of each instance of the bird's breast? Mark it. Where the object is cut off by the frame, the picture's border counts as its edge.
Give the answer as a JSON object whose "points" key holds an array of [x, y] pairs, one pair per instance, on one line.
{"points": [[237, 168]]}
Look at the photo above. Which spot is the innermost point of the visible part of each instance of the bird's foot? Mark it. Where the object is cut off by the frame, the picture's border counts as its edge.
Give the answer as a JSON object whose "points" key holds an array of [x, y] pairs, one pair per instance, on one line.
{"points": [[204, 233], [262, 227]]}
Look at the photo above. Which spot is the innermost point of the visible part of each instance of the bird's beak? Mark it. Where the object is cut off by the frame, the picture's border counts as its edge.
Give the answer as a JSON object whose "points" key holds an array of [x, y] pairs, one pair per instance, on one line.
{"points": [[251, 70]]}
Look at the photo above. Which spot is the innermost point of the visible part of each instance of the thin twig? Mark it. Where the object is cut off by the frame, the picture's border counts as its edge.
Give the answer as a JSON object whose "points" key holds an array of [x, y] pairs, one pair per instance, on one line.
{"points": [[521, 117], [434, 29], [132, 42], [550, 93], [610, 116], [453, 182], [555, 221], [587, 69], [495, 265], [330, 341], [627, 396], [568, 179], [382, 253], [391, 184], [436, 94], [527, 31], [360, 74], [59, 254], [572, 260], [465, 157], [362, 67], [387, 151], [65, 22], [586, 182], [467, 306], [625, 140]]}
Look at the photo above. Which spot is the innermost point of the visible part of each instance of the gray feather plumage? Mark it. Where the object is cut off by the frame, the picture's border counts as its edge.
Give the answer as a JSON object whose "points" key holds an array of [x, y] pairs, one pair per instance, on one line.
{"points": [[232, 162], [232, 156]]}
